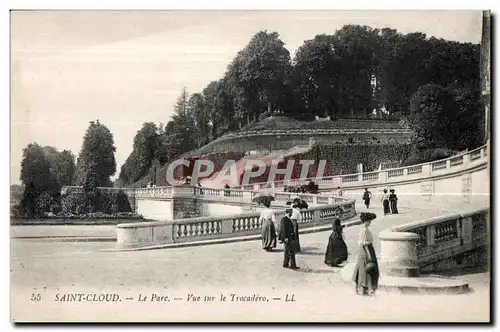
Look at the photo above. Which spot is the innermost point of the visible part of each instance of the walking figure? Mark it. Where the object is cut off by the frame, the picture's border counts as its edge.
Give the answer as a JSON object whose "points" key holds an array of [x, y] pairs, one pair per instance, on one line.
{"points": [[267, 218], [393, 199], [385, 202], [367, 195], [366, 273], [287, 236], [296, 219], [336, 251]]}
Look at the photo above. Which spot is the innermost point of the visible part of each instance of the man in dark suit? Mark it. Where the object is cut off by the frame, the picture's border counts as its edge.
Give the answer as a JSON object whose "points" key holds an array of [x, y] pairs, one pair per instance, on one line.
{"points": [[287, 236]]}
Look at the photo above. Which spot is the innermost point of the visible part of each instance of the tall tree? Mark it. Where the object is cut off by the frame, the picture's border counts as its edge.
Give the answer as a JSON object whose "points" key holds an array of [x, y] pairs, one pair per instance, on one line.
{"points": [[97, 155], [357, 46], [266, 68], [199, 113], [37, 178], [433, 116], [145, 150], [316, 77], [64, 168]]}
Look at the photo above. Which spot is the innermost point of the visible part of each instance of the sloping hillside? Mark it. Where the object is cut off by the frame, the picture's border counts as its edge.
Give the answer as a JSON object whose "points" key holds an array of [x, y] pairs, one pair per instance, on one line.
{"points": [[276, 123], [283, 122]]}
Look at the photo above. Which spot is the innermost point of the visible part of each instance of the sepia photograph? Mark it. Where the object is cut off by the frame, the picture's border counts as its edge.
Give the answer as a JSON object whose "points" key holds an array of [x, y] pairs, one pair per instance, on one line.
{"points": [[249, 166]]}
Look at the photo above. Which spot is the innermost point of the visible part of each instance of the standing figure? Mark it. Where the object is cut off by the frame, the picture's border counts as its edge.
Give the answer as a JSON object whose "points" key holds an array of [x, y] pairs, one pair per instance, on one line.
{"points": [[385, 202], [336, 252], [296, 218], [367, 195], [287, 236], [267, 218], [393, 199], [366, 272]]}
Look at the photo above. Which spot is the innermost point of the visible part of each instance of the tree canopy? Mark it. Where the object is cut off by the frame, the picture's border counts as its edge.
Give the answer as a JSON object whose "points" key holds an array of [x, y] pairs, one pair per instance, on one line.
{"points": [[97, 155]]}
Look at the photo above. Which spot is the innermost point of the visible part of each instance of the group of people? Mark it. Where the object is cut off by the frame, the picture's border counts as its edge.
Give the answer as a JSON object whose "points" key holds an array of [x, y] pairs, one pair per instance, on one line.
{"points": [[311, 188], [389, 201], [288, 232], [366, 272]]}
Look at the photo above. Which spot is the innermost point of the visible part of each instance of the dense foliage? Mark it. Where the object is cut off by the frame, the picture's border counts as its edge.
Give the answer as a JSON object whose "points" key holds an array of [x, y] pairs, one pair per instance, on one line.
{"points": [[356, 72], [76, 203], [44, 171], [96, 161], [429, 84]]}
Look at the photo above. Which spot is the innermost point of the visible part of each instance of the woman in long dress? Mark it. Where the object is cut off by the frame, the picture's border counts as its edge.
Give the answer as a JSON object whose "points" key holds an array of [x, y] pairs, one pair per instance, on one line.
{"points": [[336, 252], [366, 273], [385, 202], [393, 199], [268, 219]]}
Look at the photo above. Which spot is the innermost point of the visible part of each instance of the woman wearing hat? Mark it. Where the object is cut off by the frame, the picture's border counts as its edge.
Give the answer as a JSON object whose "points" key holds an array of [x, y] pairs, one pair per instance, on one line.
{"points": [[385, 202], [268, 219], [336, 252], [366, 272], [393, 199]]}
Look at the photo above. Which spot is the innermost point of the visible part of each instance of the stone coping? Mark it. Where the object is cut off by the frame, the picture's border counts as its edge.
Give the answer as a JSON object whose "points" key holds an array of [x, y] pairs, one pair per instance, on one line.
{"points": [[69, 238], [303, 230], [461, 155], [398, 236], [435, 220], [235, 216]]}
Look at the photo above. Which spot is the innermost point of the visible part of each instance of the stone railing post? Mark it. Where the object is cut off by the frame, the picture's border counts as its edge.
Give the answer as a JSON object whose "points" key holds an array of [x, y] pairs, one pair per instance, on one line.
{"points": [[316, 216], [247, 196], [405, 172], [385, 176], [227, 226], [426, 169], [466, 159], [448, 163], [399, 254], [430, 233]]}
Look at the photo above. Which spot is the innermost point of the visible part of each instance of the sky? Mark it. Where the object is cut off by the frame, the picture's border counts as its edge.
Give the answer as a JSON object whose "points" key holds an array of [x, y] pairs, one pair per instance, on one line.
{"points": [[128, 67]]}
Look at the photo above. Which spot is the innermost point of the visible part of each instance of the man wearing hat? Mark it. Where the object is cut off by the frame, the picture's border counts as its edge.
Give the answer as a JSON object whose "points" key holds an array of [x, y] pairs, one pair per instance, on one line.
{"points": [[287, 236]]}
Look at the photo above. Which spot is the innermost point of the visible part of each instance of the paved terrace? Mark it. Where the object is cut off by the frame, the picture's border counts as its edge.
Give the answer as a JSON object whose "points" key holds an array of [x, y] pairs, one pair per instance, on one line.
{"points": [[243, 268]]}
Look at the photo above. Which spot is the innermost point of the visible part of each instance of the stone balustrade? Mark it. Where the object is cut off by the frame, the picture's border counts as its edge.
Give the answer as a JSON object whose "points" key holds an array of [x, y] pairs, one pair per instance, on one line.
{"points": [[454, 180], [147, 234], [466, 160], [433, 244]]}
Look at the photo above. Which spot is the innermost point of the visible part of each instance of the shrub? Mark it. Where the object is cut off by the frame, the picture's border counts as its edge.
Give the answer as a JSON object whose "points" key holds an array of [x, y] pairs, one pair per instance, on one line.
{"points": [[74, 203], [15, 211], [56, 208], [43, 203], [104, 202], [121, 203]]}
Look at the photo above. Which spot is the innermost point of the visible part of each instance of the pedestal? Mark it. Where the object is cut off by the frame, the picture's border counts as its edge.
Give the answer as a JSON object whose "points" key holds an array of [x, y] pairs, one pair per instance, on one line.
{"points": [[399, 254]]}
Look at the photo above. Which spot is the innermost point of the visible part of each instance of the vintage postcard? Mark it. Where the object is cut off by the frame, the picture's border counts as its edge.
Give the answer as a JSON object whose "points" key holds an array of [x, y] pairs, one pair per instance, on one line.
{"points": [[250, 166]]}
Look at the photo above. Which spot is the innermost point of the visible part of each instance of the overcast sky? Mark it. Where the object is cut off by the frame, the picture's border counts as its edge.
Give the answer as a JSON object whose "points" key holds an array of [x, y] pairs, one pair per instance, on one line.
{"points": [[125, 68]]}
